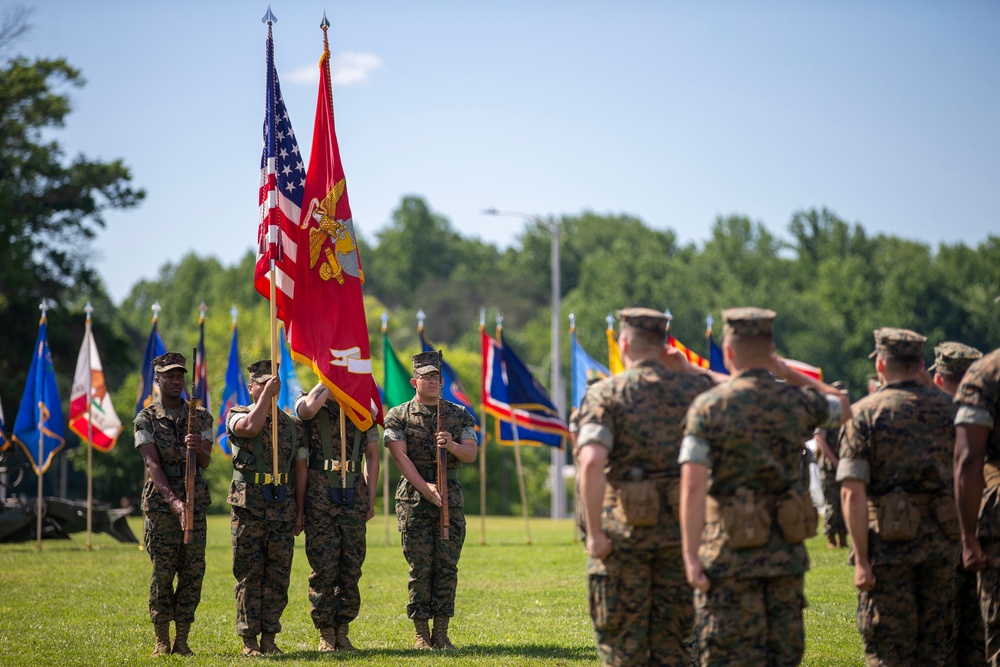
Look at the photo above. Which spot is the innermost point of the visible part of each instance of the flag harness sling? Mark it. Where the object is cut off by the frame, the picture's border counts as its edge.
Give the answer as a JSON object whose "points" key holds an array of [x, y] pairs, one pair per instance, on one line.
{"points": [[340, 495], [273, 488]]}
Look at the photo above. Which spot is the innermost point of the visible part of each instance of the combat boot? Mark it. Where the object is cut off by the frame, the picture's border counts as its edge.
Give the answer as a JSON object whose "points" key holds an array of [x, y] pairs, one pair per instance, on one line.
{"points": [[267, 645], [327, 640], [423, 634], [250, 646], [162, 630], [181, 640], [440, 636], [343, 643]]}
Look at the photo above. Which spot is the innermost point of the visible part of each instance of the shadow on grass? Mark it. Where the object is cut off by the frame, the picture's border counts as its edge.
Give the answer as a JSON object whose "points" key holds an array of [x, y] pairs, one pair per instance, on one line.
{"points": [[534, 651]]}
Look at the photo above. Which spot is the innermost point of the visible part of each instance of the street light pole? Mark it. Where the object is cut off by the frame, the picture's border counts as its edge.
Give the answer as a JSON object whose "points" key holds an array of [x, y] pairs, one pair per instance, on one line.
{"points": [[558, 505]]}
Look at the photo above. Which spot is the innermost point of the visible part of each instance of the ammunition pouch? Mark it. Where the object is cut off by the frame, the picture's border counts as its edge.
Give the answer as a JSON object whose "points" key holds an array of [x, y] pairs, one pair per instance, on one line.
{"points": [[797, 517], [634, 504], [745, 517], [177, 472], [896, 516]]}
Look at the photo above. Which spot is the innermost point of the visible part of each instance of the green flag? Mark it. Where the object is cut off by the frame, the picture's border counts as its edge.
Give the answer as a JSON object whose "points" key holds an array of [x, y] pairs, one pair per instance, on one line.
{"points": [[396, 384]]}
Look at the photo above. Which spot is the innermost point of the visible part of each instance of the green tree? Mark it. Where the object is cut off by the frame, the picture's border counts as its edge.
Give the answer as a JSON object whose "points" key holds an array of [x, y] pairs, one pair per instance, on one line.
{"points": [[50, 210]]}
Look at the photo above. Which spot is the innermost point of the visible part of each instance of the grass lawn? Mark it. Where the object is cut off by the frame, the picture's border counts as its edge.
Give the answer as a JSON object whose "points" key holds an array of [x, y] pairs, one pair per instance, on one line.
{"points": [[517, 604]]}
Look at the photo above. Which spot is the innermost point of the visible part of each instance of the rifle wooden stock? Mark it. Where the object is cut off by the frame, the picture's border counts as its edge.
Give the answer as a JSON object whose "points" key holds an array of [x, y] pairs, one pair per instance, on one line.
{"points": [[191, 460], [442, 469]]}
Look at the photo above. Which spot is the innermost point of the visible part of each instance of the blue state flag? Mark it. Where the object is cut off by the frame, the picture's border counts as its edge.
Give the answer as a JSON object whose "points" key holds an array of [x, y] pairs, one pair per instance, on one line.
{"points": [[716, 360], [451, 386], [583, 365], [38, 427], [516, 399], [234, 393], [149, 391], [291, 388]]}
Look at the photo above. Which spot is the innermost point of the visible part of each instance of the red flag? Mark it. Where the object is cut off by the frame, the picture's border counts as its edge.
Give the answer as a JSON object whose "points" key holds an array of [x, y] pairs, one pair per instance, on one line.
{"points": [[327, 328]]}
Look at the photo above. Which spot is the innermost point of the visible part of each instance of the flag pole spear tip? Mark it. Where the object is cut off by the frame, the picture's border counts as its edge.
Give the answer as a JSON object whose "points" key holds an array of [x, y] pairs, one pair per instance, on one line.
{"points": [[89, 309], [572, 321], [610, 319], [156, 310], [269, 17], [709, 321], [385, 320], [234, 312], [482, 316], [324, 24], [421, 316], [669, 318]]}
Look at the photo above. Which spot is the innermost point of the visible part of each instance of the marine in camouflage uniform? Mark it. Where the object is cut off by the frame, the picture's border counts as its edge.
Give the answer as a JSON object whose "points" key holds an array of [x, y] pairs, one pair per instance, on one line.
{"points": [[629, 439], [951, 361], [161, 436], [742, 445], [573, 426], [335, 520], [896, 470], [263, 532], [977, 456], [413, 440], [834, 527]]}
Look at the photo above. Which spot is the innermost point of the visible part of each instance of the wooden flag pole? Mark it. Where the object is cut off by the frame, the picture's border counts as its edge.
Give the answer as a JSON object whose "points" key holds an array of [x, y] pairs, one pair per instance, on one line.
{"points": [[482, 453], [385, 491], [517, 452], [274, 372], [41, 454], [90, 434]]}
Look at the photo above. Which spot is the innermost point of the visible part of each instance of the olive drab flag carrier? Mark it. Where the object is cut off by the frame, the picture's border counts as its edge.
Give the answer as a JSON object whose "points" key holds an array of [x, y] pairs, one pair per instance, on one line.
{"points": [[342, 484]]}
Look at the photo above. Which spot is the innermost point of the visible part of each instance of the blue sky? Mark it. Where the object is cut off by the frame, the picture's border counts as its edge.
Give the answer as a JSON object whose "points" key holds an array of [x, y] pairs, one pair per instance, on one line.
{"points": [[674, 112]]}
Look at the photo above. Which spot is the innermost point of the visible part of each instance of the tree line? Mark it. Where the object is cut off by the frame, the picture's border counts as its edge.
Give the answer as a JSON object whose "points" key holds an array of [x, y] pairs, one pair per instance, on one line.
{"points": [[830, 281]]}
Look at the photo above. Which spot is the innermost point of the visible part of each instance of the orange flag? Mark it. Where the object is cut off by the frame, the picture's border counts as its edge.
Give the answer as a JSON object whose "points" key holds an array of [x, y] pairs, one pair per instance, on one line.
{"points": [[327, 328]]}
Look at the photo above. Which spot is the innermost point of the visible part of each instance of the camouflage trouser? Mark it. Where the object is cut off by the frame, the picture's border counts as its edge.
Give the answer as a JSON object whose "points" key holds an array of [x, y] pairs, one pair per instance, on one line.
{"points": [[433, 561], [909, 616], [752, 621], [989, 601], [833, 518], [262, 562], [970, 644], [163, 538], [641, 606], [335, 546]]}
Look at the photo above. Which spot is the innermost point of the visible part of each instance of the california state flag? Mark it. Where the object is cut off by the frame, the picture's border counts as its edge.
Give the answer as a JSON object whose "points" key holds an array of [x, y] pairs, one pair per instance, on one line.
{"points": [[327, 328], [91, 415]]}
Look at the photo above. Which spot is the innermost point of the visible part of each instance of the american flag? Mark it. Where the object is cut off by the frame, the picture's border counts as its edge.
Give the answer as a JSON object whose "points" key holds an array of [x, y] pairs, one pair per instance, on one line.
{"points": [[282, 176]]}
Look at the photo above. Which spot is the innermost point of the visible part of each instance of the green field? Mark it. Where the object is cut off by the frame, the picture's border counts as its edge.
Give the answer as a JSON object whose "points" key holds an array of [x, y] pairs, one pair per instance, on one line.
{"points": [[517, 604]]}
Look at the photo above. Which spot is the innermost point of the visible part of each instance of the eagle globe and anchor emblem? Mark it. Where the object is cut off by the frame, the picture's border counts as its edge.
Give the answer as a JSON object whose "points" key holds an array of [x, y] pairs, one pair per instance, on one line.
{"points": [[342, 257]]}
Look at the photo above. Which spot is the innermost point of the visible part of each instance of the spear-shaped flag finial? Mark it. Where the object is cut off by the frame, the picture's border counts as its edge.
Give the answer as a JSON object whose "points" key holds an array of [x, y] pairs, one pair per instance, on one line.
{"points": [[89, 309], [421, 316], [269, 17], [324, 24], [234, 311], [572, 322], [202, 309], [709, 321], [385, 321], [482, 316], [44, 307], [156, 310], [610, 319], [670, 318]]}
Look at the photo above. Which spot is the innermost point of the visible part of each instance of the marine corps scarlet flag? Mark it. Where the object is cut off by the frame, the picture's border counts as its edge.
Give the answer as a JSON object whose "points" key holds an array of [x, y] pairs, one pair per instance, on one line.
{"points": [[327, 328]]}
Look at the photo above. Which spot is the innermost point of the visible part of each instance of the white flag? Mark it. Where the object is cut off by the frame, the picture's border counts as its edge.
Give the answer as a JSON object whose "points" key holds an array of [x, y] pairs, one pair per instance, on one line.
{"points": [[91, 415]]}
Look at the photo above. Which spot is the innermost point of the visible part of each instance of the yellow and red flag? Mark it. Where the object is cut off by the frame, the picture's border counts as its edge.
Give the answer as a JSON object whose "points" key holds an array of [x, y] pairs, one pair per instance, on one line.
{"points": [[91, 415], [691, 355], [327, 328]]}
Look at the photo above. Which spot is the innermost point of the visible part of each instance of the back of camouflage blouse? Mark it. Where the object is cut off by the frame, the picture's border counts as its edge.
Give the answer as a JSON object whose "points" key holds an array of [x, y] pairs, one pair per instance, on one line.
{"points": [[638, 416]]}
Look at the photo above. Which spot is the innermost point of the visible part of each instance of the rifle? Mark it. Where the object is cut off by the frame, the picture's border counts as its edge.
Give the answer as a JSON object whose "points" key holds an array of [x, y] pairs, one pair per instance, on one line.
{"points": [[191, 462], [442, 463]]}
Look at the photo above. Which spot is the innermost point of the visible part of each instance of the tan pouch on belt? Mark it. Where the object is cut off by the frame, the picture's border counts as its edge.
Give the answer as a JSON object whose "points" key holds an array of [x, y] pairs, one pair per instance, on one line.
{"points": [[897, 519], [797, 517], [636, 503], [746, 520]]}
